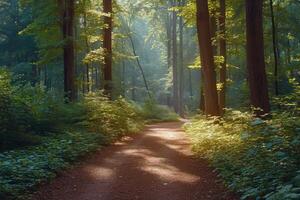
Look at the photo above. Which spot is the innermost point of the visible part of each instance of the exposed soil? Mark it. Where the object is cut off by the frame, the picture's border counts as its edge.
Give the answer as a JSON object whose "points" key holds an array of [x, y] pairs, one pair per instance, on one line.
{"points": [[155, 165]]}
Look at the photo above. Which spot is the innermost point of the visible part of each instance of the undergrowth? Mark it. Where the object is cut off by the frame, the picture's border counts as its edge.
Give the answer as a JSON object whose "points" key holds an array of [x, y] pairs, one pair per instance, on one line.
{"points": [[152, 112], [258, 159], [22, 170]]}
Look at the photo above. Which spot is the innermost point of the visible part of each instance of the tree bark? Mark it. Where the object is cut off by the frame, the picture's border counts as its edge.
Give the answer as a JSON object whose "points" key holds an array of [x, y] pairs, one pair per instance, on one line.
{"points": [[223, 53], [107, 45], [275, 50], [207, 59], [181, 65], [255, 57], [69, 53], [175, 63]]}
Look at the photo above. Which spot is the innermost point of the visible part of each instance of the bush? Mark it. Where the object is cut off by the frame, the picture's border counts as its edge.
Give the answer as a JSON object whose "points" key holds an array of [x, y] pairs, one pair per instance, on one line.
{"points": [[256, 158], [112, 118], [157, 113], [27, 112]]}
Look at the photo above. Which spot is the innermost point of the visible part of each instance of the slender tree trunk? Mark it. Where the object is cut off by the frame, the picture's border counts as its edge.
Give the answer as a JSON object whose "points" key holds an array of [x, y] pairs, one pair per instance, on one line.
{"points": [[255, 57], [207, 59], [288, 53], [69, 54], [133, 82], [88, 49], [175, 63], [124, 78], [223, 53], [107, 45], [275, 50], [181, 65], [169, 53], [191, 84], [140, 67]]}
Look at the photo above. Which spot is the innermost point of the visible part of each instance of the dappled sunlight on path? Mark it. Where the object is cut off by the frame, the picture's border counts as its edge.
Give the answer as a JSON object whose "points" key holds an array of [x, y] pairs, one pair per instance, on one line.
{"points": [[155, 165]]}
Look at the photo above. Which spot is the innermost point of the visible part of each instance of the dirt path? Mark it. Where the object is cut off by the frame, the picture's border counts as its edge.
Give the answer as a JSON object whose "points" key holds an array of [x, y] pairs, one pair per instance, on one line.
{"points": [[155, 165]]}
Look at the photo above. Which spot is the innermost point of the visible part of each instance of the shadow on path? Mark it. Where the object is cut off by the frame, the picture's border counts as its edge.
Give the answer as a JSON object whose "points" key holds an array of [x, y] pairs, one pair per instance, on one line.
{"points": [[155, 165]]}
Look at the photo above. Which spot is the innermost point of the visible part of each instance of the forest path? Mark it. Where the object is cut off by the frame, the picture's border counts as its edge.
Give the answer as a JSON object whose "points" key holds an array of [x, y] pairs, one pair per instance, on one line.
{"points": [[155, 165]]}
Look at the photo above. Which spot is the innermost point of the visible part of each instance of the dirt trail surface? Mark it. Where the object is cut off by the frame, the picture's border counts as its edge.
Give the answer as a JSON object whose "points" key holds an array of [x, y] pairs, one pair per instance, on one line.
{"points": [[155, 165]]}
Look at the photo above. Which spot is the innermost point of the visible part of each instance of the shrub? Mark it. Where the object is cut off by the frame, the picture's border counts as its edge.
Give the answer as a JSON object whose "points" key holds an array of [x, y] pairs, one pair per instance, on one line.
{"points": [[112, 118], [255, 158], [154, 112]]}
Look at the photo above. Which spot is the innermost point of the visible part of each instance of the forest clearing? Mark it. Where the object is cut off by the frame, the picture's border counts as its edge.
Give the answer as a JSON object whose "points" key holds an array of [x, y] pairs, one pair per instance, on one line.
{"points": [[149, 100]]}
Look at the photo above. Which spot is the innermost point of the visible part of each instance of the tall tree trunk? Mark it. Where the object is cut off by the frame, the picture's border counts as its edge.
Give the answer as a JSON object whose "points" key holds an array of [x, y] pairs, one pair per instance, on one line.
{"points": [[275, 50], [175, 63], [107, 45], [207, 59], [255, 57], [181, 65], [223, 53], [69, 54], [88, 49]]}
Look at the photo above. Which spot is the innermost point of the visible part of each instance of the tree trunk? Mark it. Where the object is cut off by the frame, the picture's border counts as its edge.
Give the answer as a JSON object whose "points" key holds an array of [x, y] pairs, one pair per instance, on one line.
{"points": [[175, 63], [223, 53], [69, 54], [191, 84], [255, 57], [140, 67], [202, 100], [88, 49], [181, 65], [207, 59], [275, 49], [107, 45]]}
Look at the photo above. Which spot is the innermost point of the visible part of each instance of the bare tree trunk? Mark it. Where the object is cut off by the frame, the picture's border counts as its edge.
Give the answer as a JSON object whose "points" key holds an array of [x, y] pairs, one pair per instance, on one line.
{"points": [[223, 53], [255, 57], [107, 45], [275, 50], [69, 54], [175, 63], [207, 59], [181, 65], [88, 49]]}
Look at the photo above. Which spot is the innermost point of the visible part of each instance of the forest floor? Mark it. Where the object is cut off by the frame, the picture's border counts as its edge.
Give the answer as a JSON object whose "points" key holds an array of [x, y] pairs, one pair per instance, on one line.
{"points": [[157, 164]]}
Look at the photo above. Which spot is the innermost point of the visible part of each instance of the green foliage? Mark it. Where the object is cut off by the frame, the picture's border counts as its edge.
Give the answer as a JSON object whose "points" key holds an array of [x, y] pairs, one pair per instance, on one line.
{"points": [[27, 112], [112, 118], [23, 170], [157, 113], [255, 158]]}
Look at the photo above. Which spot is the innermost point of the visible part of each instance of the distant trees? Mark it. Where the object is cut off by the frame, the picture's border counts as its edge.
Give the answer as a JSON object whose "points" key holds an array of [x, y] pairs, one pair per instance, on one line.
{"points": [[207, 59], [255, 57]]}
